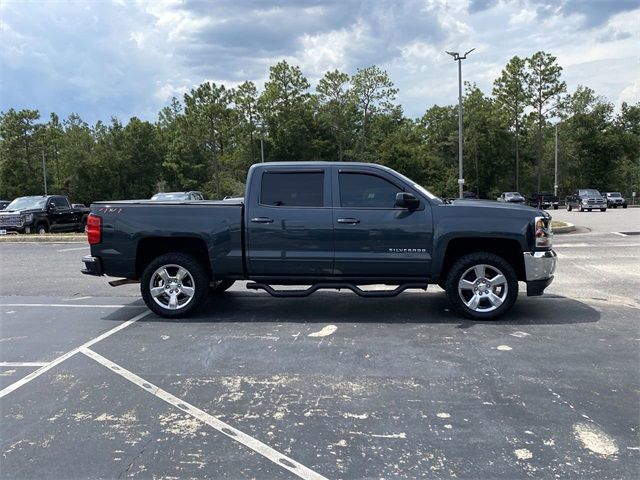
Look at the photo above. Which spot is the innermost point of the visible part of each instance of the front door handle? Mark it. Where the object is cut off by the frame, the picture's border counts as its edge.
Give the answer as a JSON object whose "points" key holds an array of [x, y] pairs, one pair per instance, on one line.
{"points": [[262, 220], [350, 221]]}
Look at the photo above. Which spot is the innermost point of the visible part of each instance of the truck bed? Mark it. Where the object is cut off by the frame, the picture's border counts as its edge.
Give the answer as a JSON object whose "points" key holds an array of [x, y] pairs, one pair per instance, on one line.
{"points": [[134, 228]]}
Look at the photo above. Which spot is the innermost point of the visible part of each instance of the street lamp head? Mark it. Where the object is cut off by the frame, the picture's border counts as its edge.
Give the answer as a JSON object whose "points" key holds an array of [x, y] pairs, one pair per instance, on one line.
{"points": [[467, 53], [453, 54]]}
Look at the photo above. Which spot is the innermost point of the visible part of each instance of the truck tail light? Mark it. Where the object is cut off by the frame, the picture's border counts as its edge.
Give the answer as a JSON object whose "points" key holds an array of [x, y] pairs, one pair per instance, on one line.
{"points": [[543, 232], [94, 229]]}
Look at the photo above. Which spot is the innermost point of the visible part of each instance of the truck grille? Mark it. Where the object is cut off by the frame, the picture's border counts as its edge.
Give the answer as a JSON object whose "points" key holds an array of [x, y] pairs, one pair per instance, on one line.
{"points": [[595, 202], [10, 221]]}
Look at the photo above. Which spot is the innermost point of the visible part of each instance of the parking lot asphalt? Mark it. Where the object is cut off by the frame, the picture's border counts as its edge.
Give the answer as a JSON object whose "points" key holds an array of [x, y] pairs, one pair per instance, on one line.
{"points": [[333, 385]]}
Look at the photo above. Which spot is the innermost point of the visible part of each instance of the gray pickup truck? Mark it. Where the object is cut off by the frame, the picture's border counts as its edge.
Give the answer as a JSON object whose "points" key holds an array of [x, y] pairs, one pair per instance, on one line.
{"points": [[323, 225]]}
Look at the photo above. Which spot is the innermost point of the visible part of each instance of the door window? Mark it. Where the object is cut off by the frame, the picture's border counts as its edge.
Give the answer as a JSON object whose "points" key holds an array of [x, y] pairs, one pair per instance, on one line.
{"points": [[60, 202], [366, 191], [295, 189]]}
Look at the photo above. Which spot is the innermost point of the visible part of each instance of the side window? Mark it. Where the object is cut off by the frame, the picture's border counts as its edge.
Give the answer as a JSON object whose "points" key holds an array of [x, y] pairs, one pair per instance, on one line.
{"points": [[296, 189], [366, 191], [60, 202]]}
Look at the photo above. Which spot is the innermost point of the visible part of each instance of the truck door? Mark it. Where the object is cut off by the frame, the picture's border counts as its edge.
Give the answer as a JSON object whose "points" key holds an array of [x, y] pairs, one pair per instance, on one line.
{"points": [[289, 223], [60, 216], [372, 236]]}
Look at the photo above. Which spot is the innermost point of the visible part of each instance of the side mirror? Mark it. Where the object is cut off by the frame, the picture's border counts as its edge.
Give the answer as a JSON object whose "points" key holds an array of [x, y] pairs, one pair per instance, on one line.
{"points": [[52, 207], [407, 200]]}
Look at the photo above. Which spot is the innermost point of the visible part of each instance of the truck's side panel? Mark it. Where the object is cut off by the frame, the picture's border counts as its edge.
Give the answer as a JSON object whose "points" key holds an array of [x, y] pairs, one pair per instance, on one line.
{"points": [[289, 227], [372, 236], [126, 224]]}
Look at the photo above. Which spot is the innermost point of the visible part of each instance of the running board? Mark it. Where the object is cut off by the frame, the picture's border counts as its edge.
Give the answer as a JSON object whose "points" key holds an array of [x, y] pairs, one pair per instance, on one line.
{"points": [[335, 286]]}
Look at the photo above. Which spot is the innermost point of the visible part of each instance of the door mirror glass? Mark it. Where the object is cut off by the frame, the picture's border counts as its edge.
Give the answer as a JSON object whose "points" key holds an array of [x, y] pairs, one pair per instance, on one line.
{"points": [[52, 207], [407, 200]]}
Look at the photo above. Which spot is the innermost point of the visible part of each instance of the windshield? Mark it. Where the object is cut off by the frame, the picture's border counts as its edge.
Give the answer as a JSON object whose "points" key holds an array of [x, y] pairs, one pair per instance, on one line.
{"points": [[171, 196], [590, 192], [513, 194], [27, 203], [614, 194]]}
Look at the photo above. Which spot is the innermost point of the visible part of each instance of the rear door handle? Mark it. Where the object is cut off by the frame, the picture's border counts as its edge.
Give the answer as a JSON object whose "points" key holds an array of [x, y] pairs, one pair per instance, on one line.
{"points": [[350, 221], [262, 220]]}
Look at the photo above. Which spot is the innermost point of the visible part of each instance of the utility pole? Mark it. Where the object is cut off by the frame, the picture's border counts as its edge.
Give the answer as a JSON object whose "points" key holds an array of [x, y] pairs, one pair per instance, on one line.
{"points": [[44, 173], [458, 58], [261, 149], [555, 173]]}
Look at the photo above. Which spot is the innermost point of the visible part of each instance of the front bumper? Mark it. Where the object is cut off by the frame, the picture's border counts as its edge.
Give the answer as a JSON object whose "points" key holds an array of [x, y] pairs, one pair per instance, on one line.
{"points": [[539, 269], [92, 266]]}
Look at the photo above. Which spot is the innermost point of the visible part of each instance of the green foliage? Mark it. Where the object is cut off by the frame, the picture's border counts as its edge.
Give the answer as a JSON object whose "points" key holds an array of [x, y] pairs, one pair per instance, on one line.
{"points": [[208, 139]]}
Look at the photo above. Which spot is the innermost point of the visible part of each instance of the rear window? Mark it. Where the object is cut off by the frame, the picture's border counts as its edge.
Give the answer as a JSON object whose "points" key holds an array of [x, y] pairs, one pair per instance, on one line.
{"points": [[295, 189]]}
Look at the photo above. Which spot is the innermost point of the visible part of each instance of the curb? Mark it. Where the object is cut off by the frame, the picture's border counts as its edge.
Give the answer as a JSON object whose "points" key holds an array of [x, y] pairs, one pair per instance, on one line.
{"points": [[43, 238], [566, 228]]}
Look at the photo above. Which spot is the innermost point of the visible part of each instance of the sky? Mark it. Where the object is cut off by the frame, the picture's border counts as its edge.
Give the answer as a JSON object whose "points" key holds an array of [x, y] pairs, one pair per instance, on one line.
{"points": [[105, 58]]}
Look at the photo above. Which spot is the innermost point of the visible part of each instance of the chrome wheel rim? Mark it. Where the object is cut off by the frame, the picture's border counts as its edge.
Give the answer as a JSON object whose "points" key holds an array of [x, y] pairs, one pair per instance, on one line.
{"points": [[483, 288], [172, 287]]}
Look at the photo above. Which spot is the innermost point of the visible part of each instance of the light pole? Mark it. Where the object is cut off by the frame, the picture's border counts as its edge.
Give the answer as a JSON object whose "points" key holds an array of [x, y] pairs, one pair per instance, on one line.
{"points": [[458, 58], [44, 174], [555, 169]]}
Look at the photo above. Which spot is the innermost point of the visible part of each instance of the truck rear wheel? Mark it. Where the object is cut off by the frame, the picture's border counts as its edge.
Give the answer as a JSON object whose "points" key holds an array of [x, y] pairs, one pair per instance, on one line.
{"points": [[482, 286], [174, 285]]}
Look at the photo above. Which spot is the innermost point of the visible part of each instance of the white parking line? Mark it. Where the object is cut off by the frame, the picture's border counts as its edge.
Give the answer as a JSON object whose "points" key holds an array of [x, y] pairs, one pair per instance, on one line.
{"points": [[23, 381], [256, 445], [620, 233], [73, 249], [22, 364], [594, 245], [66, 305]]}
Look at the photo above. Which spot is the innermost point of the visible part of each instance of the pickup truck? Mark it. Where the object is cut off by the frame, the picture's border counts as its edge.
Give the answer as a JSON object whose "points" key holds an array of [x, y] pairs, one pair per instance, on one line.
{"points": [[327, 226], [544, 200], [42, 214], [586, 199]]}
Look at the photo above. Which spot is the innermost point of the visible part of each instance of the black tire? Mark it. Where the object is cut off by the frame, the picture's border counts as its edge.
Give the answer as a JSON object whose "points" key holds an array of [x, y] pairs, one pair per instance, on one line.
{"points": [[568, 207], [198, 281], [614, 206], [216, 288], [624, 206], [41, 229], [458, 273], [83, 226], [555, 207], [603, 209], [581, 208]]}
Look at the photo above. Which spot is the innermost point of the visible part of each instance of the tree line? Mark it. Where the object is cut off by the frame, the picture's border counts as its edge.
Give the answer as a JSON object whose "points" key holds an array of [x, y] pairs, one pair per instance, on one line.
{"points": [[208, 139]]}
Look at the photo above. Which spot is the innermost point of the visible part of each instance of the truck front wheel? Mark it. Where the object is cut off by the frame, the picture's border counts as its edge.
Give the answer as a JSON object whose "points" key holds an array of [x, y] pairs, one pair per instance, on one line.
{"points": [[174, 285], [482, 286]]}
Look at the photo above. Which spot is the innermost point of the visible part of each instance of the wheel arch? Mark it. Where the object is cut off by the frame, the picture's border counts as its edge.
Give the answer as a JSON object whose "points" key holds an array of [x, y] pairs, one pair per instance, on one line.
{"points": [[150, 248], [509, 249]]}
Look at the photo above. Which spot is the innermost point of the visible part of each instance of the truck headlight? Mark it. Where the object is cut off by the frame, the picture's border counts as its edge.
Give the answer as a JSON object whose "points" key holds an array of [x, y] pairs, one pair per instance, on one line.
{"points": [[543, 232], [28, 218]]}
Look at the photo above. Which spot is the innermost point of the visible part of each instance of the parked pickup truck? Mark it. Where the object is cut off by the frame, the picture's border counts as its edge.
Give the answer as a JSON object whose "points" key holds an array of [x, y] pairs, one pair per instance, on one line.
{"points": [[327, 225], [42, 214], [543, 200], [586, 199]]}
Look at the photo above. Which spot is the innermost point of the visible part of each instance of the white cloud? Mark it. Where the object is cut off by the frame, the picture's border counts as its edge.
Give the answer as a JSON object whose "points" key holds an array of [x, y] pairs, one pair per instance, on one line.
{"points": [[122, 58]]}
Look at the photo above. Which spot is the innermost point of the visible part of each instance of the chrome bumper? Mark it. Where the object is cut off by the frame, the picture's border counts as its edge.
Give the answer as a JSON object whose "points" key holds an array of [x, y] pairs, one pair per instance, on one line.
{"points": [[540, 265]]}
